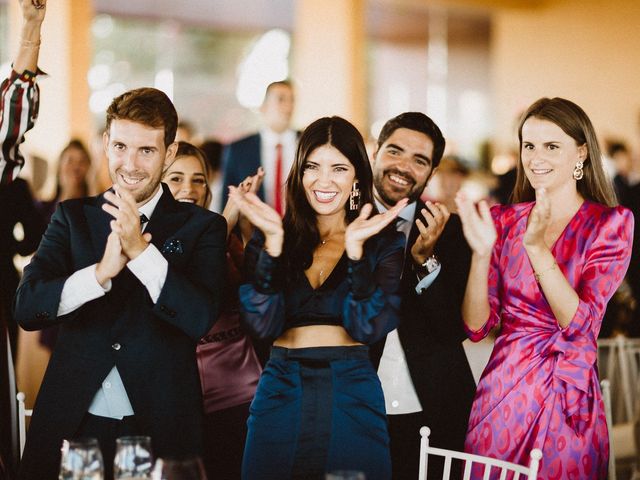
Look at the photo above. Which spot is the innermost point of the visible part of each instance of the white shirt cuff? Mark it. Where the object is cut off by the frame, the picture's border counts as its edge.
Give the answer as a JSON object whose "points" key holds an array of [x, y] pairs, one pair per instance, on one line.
{"points": [[150, 267], [428, 280], [80, 288]]}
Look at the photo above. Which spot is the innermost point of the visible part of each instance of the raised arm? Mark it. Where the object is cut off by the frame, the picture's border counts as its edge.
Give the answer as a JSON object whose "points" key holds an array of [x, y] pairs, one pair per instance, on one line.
{"points": [[480, 232], [261, 296], [33, 12], [19, 95]]}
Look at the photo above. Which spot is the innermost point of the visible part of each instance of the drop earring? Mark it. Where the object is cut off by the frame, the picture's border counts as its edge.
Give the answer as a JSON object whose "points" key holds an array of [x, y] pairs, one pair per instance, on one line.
{"points": [[354, 197], [578, 172]]}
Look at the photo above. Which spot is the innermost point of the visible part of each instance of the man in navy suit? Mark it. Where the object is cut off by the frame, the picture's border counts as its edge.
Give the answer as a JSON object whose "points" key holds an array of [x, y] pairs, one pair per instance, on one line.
{"points": [[273, 148], [132, 297]]}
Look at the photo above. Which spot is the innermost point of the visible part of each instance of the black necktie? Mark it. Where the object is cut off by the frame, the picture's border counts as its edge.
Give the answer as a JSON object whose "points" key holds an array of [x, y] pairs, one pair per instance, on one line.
{"points": [[143, 220]]}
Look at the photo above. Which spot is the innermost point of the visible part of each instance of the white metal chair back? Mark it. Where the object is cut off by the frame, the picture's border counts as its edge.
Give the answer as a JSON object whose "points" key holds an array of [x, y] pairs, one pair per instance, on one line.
{"points": [[619, 362], [23, 413], [492, 465], [605, 386]]}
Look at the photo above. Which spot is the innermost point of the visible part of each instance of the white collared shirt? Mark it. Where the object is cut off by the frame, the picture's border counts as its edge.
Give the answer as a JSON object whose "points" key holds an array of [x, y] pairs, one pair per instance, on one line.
{"points": [[150, 267], [268, 141]]}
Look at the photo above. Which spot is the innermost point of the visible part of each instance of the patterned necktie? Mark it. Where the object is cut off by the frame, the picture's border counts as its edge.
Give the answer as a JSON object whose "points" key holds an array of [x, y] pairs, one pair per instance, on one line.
{"points": [[277, 188]]}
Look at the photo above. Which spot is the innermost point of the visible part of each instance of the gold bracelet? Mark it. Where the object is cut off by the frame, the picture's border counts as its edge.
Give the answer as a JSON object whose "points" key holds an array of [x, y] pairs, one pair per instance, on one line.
{"points": [[539, 275], [30, 43]]}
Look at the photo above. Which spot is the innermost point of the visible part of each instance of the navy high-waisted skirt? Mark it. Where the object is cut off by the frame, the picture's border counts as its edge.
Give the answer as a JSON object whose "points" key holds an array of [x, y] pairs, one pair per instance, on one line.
{"points": [[317, 410]]}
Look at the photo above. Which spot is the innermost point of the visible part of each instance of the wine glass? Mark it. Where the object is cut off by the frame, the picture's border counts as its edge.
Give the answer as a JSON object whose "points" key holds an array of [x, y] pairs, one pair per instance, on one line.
{"points": [[81, 460], [133, 459], [190, 468], [345, 475]]}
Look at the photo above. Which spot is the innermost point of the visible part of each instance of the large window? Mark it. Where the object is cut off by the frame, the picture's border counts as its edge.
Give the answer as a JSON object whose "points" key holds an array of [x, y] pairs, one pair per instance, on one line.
{"points": [[199, 68]]}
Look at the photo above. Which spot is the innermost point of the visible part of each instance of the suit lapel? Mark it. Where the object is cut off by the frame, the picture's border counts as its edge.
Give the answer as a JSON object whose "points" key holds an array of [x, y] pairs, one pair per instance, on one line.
{"points": [[98, 225], [166, 219]]}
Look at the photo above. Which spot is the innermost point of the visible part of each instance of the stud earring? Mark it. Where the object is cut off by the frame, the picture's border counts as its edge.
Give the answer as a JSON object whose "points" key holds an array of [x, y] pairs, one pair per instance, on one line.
{"points": [[354, 197], [578, 172]]}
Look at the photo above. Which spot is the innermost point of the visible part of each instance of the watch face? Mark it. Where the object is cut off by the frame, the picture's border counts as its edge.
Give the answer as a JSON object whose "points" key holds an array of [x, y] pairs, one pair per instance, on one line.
{"points": [[431, 264]]}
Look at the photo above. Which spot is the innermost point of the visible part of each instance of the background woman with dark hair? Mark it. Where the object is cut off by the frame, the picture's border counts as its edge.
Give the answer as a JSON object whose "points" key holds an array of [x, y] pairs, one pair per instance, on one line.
{"points": [[323, 284], [74, 165], [546, 269]]}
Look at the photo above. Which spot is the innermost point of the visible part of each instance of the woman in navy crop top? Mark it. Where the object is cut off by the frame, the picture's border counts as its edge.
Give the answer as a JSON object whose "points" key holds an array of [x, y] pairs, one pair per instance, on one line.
{"points": [[322, 283]]}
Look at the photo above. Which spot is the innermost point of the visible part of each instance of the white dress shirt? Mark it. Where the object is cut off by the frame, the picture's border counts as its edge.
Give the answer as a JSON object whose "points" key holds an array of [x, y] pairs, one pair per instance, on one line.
{"points": [[400, 395], [268, 141], [150, 267]]}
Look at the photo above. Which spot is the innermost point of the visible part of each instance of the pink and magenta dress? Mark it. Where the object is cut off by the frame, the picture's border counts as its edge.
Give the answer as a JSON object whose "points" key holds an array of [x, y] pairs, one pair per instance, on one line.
{"points": [[540, 388]]}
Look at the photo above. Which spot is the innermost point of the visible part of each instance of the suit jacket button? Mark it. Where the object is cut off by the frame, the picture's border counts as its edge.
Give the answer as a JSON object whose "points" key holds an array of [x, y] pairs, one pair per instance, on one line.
{"points": [[116, 346]]}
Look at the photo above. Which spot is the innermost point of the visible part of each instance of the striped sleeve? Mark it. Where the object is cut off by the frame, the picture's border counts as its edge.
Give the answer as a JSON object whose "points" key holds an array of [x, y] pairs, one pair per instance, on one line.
{"points": [[19, 101]]}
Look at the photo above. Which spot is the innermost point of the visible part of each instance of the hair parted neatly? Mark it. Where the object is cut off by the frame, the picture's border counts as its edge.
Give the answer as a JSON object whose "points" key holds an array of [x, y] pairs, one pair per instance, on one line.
{"points": [[147, 106], [301, 230]]}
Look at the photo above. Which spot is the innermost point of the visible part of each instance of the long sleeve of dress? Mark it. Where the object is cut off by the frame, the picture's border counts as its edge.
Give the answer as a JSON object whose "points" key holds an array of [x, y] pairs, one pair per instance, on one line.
{"points": [[261, 297], [371, 308], [606, 265], [19, 101]]}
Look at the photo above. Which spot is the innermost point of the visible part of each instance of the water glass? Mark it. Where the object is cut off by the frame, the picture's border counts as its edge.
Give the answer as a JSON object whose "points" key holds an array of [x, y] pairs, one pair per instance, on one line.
{"points": [[345, 475], [179, 469], [81, 460], [133, 459]]}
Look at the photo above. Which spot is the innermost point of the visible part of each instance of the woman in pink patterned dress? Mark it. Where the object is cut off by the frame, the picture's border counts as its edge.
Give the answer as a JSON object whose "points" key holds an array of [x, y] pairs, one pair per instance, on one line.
{"points": [[544, 270]]}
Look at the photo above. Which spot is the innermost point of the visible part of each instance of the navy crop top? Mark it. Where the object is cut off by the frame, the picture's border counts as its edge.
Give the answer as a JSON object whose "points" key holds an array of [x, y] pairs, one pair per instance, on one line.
{"points": [[362, 296]]}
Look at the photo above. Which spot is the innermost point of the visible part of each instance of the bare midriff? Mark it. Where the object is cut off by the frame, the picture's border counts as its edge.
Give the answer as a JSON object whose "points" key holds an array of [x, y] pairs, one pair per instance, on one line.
{"points": [[315, 336]]}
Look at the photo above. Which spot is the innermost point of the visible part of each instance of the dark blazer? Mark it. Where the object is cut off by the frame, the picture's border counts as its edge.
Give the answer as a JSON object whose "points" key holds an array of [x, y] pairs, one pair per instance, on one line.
{"points": [[431, 333], [239, 160], [153, 345]]}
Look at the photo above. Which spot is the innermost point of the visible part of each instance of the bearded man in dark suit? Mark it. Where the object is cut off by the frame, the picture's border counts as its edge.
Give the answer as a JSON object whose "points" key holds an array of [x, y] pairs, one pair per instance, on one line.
{"points": [[424, 371], [132, 297]]}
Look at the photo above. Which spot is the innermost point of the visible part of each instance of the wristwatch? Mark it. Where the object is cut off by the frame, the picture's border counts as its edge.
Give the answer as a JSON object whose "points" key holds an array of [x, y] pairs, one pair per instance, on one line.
{"points": [[431, 263]]}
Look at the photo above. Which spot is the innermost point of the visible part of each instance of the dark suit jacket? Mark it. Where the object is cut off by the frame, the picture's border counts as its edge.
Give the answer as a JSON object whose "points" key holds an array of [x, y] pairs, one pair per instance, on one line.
{"points": [[431, 333], [156, 357], [239, 160]]}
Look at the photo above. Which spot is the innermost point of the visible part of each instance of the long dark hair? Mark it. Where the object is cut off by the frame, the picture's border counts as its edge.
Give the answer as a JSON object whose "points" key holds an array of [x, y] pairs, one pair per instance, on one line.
{"points": [[573, 121], [300, 227]]}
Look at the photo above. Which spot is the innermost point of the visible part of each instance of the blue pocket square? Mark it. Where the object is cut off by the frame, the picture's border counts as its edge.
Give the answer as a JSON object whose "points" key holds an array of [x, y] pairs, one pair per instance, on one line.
{"points": [[172, 246]]}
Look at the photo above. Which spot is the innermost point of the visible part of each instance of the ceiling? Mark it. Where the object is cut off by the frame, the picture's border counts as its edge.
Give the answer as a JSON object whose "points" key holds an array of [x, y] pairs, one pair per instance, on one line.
{"points": [[397, 20]]}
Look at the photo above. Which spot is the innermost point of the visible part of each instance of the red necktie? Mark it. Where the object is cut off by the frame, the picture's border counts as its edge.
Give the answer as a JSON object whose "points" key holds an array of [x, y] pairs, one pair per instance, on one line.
{"points": [[277, 198]]}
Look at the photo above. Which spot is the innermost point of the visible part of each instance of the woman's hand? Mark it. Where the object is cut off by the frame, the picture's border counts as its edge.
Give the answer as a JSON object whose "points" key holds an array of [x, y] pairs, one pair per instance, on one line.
{"points": [[477, 225], [538, 221], [231, 211], [33, 10], [261, 216], [363, 227]]}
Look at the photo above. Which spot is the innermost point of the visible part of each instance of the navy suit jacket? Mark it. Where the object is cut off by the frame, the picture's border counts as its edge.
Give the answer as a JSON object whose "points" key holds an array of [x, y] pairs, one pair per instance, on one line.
{"points": [[156, 352], [239, 160]]}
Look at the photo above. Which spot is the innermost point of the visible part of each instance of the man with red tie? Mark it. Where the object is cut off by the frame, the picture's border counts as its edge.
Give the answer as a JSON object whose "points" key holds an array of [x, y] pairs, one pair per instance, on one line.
{"points": [[273, 148]]}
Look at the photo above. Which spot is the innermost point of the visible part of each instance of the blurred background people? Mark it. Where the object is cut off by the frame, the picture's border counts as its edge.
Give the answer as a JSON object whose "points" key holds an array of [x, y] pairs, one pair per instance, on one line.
{"points": [[273, 148], [72, 181], [447, 180]]}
